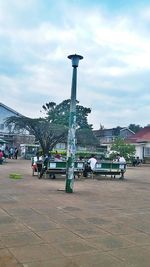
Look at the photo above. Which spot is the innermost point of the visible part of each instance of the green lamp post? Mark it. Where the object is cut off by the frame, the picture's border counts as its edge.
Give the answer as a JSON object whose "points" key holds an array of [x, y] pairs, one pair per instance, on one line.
{"points": [[71, 145]]}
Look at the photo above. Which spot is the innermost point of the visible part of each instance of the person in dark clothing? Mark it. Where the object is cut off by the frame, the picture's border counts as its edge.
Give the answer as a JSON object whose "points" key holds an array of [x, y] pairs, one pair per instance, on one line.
{"points": [[45, 166], [16, 153], [87, 169]]}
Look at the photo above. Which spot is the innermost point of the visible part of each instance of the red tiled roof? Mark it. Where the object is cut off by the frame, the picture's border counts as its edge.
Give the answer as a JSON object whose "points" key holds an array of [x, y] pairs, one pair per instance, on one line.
{"points": [[142, 136]]}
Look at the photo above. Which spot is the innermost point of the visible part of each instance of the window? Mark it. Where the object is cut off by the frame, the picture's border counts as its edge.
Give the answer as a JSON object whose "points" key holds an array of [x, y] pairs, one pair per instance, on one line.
{"points": [[147, 152]]}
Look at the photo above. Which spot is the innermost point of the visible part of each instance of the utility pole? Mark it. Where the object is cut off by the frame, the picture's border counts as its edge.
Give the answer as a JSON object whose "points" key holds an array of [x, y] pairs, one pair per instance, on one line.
{"points": [[71, 145]]}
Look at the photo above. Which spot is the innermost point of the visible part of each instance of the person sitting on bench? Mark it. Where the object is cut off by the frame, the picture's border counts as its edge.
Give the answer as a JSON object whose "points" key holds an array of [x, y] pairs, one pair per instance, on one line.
{"points": [[90, 165]]}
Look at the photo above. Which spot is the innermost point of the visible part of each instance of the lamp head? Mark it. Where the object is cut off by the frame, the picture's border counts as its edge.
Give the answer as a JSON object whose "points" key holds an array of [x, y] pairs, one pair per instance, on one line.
{"points": [[75, 60]]}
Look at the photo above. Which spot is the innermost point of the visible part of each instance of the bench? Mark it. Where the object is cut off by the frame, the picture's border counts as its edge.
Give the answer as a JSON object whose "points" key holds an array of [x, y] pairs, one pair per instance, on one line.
{"points": [[109, 168], [60, 167], [52, 168]]}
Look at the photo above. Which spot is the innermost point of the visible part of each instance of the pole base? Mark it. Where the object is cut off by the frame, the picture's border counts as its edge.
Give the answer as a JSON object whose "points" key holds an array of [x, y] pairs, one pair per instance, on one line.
{"points": [[69, 186]]}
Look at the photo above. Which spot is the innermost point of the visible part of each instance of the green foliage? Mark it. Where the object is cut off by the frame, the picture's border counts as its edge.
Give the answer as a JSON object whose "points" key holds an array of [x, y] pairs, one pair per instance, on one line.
{"points": [[48, 134], [53, 128], [87, 154], [85, 137], [121, 147], [59, 114]]}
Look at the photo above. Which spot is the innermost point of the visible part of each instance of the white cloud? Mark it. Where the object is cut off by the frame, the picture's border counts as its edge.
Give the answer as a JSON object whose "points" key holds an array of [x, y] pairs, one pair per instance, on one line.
{"points": [[116, 54]]}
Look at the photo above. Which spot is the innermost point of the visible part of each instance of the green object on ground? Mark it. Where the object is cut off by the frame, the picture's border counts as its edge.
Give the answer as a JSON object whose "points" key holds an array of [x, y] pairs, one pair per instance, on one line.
{"points": [[15, 176]]}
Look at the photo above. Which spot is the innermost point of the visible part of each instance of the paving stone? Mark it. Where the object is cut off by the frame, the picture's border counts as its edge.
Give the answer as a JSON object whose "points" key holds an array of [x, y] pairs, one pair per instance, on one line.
{"points": [[87, 231], [71, 208], [22, 211], [75, 247], [139, 238], [120, 229], [2, 244], [135, 256], [98, 220], [110, 242], [7, 259], [12, 228], [7, 220], [31, 253], [98, 259], [43, 226], [58, 236], [74, 222], [103, 223], [33, 218], [62, 262], [20, 239]]}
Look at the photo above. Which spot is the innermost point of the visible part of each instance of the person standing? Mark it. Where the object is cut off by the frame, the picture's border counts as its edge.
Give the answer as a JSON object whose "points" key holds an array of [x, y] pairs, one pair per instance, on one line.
{"points": [[16, 152], [11, 153], [1, 156], [122, 162]]}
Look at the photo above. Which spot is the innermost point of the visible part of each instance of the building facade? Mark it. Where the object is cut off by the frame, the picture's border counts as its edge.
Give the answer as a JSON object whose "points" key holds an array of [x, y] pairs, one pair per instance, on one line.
{"points": [[11, 136], [141, 140], [107, 136]]}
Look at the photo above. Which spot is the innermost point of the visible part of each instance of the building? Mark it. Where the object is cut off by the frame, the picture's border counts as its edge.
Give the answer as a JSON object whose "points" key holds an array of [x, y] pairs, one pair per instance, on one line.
{"points": [[141, 140], [107, 136], [13, 137]]}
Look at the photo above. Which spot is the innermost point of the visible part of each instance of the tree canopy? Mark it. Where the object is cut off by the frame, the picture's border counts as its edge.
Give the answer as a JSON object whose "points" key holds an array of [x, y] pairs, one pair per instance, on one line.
{"points": [[47, 134], [53, 128], [121, 147], [59, 114]]}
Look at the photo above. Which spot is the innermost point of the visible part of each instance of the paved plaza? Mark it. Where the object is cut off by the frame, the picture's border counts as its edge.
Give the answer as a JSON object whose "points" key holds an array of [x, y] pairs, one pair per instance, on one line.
{"points": [[103, 223]]}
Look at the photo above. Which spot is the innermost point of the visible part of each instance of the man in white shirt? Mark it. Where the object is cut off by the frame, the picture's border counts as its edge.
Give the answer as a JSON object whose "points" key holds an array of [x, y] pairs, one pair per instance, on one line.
{"points": [[89, 166], [92, 161], [122, 159], [122, 162]]}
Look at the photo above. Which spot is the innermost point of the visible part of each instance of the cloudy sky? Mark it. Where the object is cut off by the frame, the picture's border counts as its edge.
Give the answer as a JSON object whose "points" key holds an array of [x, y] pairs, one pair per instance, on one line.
{"points": [[113, 36]]}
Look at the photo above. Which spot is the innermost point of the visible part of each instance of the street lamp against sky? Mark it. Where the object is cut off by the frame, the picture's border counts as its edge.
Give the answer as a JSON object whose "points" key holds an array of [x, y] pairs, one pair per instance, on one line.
{"points": [[71, 146]]}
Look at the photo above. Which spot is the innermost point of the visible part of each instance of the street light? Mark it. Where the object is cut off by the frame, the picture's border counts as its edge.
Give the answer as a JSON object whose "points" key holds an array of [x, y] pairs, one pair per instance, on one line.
{"points": [[71, 146]]}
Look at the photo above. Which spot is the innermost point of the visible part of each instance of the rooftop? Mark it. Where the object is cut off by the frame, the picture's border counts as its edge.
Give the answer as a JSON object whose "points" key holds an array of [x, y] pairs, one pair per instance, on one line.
{"points": [[142, 136]]}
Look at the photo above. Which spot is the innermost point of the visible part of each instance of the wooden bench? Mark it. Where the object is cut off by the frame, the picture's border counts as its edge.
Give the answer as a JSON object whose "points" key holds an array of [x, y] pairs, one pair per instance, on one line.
{"points": [[60, 167], [109, 168]]}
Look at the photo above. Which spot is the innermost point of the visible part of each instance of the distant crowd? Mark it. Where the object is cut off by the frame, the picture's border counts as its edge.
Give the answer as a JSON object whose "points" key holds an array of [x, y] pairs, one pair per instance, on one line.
{"points": [[8, 152]]}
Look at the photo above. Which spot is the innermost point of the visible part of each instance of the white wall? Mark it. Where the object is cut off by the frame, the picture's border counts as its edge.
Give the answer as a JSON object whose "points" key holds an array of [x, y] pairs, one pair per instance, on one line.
{"points": [[139, 150]]}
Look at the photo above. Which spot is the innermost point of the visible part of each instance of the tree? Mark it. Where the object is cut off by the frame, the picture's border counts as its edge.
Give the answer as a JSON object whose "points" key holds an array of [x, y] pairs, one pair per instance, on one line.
{"points": [[135, 128], [59, 114], [124, 149], [48, 134], [54, 127], [86, 137]]}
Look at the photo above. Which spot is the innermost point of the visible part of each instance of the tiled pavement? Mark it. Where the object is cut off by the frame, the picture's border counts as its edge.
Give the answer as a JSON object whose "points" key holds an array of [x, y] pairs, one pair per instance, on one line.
{"points": [[103, 223]]}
